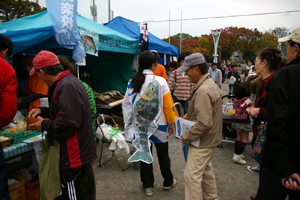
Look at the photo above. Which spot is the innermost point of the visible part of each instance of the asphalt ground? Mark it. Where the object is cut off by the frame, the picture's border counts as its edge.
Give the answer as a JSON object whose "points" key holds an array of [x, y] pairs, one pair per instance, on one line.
{"points": [[233, 180]]}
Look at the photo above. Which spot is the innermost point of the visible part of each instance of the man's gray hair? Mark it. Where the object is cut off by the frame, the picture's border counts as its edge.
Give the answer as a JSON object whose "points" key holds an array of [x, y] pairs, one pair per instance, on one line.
{"points": [[53, 70]]}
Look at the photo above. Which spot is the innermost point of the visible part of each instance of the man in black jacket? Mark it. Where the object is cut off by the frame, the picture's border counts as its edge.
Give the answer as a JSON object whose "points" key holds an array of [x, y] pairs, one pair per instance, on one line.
{"points": [[70, 123], [280, 167]]}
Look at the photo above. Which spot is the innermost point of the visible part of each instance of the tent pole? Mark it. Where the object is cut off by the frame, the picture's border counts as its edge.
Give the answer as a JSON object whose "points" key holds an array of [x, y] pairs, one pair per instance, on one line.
{"points": [[169, 26]]}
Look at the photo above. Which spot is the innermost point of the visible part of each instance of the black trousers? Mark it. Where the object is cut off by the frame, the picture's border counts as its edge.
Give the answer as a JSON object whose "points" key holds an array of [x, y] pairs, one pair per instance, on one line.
{"points": [[78, 183], [271, 188], [146, 171], [4, 192]]}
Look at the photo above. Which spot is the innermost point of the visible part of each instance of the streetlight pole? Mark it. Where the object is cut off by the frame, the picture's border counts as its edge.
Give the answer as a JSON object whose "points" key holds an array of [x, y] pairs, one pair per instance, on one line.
{"points": [[216, 37], [169, 26]]}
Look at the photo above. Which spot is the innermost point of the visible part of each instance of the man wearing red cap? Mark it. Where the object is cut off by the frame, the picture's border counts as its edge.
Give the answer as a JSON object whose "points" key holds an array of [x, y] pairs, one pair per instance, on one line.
{"points": [[35, 88], [70, 123]]}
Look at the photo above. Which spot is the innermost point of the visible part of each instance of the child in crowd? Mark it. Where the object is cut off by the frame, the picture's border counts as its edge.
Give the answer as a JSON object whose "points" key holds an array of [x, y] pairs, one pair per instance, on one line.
{"points": [[241, 121], [231, 82]]}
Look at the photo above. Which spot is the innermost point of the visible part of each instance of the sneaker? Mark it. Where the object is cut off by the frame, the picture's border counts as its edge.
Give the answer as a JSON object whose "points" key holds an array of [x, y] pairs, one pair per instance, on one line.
{"points": [[238, 159], [148, 191], [253, 169], [173, 185], [242, 156]]}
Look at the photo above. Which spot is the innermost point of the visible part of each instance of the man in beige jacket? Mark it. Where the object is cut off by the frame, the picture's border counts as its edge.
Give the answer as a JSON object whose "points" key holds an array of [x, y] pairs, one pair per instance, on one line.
{"points": [[206, 110]]}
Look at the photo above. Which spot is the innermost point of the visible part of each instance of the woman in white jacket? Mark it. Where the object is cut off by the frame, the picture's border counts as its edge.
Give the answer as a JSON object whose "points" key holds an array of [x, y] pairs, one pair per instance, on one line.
{"points": [[165, 121]]}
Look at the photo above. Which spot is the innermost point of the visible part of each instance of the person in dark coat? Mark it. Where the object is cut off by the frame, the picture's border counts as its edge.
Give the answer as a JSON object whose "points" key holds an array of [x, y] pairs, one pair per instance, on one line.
{"points": [[281, 153], [70, 123]]}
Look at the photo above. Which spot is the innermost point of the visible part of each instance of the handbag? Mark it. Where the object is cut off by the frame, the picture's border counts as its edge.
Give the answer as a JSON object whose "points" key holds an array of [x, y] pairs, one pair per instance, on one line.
{"points": [[259, 142], [49, 168]]}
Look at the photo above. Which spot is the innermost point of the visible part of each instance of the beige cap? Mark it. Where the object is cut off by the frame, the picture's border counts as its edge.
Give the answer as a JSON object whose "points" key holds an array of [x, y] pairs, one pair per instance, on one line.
{"points": [[294, 36]]}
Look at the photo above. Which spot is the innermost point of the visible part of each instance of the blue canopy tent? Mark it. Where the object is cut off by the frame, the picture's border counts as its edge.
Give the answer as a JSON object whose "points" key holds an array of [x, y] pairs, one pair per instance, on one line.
{"points": [[131, 29], [115, 50]]}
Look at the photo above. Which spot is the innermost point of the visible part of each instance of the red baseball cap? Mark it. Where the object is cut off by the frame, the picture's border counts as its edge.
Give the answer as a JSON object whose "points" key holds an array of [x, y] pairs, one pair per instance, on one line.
{"points": [[43, 59]]}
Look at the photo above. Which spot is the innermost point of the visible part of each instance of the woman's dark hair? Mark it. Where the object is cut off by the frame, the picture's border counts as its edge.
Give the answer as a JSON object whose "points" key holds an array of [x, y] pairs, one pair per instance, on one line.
{"points": [[219, 64], [146, 60], [229, 74], [52, 70], [66, 64], [252, 61], [242, 90], [272, 56]]}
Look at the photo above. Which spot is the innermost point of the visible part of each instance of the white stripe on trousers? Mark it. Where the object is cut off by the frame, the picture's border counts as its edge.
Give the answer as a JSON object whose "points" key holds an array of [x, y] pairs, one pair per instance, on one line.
{"points": [[71, 191]]}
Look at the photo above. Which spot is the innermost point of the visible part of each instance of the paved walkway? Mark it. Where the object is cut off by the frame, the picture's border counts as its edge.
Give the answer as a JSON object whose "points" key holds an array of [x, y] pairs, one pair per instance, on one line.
{"points": [[233, 180]]}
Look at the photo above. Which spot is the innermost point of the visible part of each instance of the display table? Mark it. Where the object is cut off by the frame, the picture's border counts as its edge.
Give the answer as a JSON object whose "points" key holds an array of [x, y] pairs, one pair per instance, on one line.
{"points": [[17, 149]]}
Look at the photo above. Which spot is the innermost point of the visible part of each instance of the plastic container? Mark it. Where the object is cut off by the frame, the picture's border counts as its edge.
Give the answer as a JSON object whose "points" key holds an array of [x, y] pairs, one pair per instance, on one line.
{"points": [[19, 136], [17, 190]]}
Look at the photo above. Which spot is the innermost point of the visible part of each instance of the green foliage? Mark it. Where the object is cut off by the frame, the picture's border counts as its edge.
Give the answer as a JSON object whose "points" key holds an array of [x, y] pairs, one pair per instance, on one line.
{"points": [[13, 9], [184, 36]]}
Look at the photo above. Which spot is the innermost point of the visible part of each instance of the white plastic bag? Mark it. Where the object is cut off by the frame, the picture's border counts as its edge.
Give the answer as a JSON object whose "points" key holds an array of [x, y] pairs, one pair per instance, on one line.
{"points": [[119, 140]]}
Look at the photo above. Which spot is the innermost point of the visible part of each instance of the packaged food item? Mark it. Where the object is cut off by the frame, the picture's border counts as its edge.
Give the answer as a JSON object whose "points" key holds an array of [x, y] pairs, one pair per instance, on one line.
{"points": [[18, 124]]}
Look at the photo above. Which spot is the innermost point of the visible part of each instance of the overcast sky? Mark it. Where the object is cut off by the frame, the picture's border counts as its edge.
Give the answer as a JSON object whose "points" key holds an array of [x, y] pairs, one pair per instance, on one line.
{"points": [[156, 10]]}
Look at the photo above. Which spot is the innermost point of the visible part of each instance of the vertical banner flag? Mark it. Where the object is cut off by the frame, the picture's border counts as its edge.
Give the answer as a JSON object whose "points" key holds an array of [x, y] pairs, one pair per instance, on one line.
{"points": [[62, 14], [144, 40]]}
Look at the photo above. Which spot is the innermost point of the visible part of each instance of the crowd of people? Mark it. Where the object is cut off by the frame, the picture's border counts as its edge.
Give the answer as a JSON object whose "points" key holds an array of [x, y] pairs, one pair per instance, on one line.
{"points": [[192, 82]]}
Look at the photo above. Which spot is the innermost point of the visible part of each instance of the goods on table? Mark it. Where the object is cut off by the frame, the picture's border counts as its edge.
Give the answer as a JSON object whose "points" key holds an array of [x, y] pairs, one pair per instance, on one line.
{"points": [[108, 97], [5, 141], [16, 130], [17, 124]]}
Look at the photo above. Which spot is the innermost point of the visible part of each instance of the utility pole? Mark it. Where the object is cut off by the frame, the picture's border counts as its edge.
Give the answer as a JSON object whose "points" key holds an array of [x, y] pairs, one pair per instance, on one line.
{"points": [[37, 1], [169, 26], [109, 10], [94, 10], [180, 30]]}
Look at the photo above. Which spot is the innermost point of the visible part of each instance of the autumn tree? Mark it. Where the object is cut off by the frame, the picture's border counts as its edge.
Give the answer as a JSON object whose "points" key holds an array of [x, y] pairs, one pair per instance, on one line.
{"points": [[269, 40], [205, 46], [228, 41], [188, 46], [184, 36], [13, 9], [248, 41], [279, 32]]}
